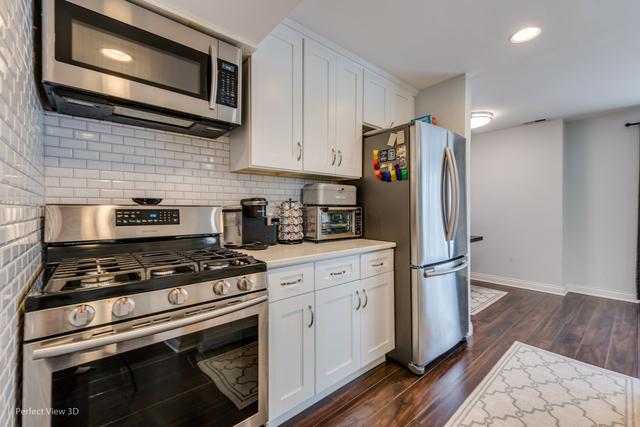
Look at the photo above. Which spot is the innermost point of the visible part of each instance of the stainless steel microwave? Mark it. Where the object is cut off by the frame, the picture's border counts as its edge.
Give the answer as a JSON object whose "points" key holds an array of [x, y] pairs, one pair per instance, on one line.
{"points": [[117, 61], [332, 222]]}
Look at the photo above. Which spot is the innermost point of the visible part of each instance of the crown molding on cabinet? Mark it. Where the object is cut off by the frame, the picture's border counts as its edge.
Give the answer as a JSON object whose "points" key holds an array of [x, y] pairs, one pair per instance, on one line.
{"points": [[352, 56]]}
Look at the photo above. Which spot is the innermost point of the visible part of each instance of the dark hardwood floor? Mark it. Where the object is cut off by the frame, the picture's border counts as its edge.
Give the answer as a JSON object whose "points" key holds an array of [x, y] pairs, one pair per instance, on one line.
{"points": [[594, 330]]}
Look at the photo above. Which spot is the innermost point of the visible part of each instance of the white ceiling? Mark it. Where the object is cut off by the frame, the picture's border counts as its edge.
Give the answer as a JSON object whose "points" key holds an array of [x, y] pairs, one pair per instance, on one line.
{"points": [[244, 22], [587, 59]]}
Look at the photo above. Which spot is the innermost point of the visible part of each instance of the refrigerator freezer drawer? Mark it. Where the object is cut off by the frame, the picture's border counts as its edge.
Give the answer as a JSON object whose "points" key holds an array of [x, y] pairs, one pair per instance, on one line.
{"points": [[440, 310]]}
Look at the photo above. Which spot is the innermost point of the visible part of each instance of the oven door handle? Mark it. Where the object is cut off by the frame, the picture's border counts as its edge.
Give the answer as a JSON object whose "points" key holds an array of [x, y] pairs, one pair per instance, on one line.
{"points": [[62, 349], [213, 93]]}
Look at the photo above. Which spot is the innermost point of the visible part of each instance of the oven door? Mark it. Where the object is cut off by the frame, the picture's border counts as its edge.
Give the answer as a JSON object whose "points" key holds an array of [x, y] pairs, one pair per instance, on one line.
{"points": [[209, 368], [338, 222], [123, 51]]}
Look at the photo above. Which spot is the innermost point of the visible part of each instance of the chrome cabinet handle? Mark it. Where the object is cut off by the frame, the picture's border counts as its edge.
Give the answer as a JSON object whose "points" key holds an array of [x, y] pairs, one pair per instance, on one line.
{"points": [[312, 317], [340, 161], [359, 301], [299, 151], [380, 264], [292, 283], [333, 153], [366, 298], [214, 78], [79, 346], [338, 273]]}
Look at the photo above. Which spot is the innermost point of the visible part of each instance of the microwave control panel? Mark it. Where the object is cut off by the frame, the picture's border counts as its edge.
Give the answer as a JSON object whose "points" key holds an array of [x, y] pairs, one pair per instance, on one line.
{"points": [[125, 217], [227, 84]]}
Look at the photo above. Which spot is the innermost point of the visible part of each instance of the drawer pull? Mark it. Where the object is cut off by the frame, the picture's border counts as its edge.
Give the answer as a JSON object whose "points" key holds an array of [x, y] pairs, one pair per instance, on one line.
{"points": [[380, 264], [338, 273], [292, 283]]}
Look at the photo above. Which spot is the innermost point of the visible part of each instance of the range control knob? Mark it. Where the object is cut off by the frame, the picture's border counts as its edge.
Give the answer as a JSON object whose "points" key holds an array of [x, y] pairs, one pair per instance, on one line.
{"points": [[245, 284], [221, 287], [82, 315], [123, 307], [178, 296]]}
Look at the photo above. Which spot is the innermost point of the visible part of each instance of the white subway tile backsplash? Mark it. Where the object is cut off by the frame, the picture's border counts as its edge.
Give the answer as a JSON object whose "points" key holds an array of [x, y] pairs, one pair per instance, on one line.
{"points": [[139, 162]]}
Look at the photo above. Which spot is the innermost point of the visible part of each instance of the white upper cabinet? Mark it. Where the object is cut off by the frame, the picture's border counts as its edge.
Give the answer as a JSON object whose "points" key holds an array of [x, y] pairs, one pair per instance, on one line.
{"points": [[349, 118], [271, 135], [377, 100], [320, 153], [402, 105], [305, 102]]}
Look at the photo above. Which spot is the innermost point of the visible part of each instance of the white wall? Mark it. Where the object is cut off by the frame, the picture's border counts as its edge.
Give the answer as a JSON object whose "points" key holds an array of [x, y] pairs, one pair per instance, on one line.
{"points": [[21, 190], [449, 102], [517, 205], [601, 204]]}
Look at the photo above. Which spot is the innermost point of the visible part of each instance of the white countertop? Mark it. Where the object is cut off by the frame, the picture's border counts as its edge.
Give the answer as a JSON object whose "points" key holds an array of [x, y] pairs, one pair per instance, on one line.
{"points": [[284, 255]]}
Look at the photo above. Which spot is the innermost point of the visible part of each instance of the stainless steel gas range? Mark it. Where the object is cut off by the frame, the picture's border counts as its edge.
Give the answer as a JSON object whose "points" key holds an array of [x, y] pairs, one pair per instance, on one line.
{"points": [[144, 319]]}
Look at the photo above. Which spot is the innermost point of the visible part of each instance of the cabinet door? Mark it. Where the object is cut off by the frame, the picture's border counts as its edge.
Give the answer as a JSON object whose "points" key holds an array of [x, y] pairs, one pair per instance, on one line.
{"points": [[291, 353], [402, 105], [378, 321], [337, 333], [349, 118], [377, 100], [320, 153], [276, 101]]}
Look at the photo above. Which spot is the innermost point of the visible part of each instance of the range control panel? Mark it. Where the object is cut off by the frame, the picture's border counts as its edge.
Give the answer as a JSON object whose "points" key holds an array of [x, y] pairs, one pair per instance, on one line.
{"points": [[125, 217], [227, 84]]}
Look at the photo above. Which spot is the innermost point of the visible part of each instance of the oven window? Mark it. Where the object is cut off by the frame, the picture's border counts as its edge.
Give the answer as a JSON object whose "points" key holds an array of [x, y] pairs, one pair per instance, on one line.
{"points": [[338, 222], [204, 378], [90, 40]]}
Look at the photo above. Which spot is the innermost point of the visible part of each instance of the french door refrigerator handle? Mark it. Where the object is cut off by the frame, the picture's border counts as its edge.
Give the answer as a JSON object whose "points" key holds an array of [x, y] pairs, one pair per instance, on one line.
{"points": [[62, 349], [443, 190], [448, 167], [434, 273], [455, 203]]}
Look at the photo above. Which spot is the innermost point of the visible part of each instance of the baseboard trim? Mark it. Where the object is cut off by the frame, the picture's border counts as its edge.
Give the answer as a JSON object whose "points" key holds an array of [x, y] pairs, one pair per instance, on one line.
{"points": [[603, 293], [519, 283], [554, 289]]}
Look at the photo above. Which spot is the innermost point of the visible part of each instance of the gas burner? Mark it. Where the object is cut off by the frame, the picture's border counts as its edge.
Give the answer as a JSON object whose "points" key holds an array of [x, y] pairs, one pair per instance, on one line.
{"points": [[165, 263], [219, 258], [85, 273], [165, 272]]}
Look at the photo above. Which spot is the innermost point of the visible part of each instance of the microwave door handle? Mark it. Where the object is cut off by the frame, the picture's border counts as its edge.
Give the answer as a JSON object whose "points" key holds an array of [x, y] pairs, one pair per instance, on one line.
{"points": [[214, 78], [80, 346]]}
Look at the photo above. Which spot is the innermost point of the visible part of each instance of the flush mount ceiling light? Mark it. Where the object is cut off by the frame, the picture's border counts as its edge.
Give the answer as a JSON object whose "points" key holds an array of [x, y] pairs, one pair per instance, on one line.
{"points": [[526, 34], [480, 118], [116, 55]]}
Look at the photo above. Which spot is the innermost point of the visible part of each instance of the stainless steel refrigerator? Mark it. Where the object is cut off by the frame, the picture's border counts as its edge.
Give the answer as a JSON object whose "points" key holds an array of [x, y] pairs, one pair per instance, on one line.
{"points": [[424, 211]]}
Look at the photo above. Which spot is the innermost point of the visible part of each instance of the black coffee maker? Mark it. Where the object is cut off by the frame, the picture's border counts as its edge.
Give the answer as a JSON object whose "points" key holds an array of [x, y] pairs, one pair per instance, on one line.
{"points": [[258, 230]]}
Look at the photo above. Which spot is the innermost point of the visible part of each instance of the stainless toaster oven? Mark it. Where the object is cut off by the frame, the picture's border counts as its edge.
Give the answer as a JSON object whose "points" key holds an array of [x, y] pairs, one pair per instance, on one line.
{"points": [[332, 222]]}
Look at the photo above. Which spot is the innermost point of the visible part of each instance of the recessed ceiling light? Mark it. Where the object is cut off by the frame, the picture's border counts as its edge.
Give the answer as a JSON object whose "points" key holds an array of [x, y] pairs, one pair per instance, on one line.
{"points": [[116, 55], [480, 118], [525, 35]]}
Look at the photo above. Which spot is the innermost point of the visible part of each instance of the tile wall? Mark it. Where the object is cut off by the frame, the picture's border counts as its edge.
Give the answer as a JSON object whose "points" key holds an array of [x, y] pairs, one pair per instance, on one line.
{"points": [[21, 189], [90, 161]]}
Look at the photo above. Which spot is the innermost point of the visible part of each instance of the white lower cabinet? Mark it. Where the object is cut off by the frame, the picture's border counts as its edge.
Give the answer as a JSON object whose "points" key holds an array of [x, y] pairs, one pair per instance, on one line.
{"points": [[378, 331], [291, 353], [325, 323], [337, 333]]}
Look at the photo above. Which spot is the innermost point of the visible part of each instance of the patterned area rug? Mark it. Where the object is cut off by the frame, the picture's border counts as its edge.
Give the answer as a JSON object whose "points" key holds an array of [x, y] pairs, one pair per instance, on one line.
{"points": [[533, 387], [235, 373], [482, 298]]}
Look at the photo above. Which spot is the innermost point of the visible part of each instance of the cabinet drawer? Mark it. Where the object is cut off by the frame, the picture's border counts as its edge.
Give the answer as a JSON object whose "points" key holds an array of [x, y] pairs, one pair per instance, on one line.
{"points": [[337, 271], [290, 281], [375, 263]]}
